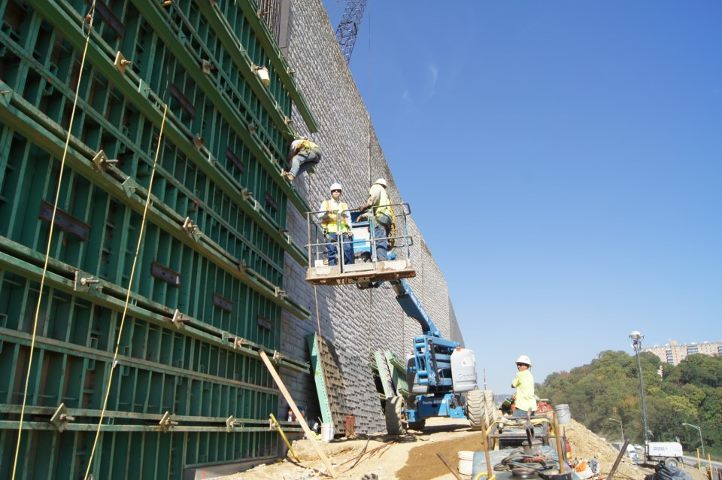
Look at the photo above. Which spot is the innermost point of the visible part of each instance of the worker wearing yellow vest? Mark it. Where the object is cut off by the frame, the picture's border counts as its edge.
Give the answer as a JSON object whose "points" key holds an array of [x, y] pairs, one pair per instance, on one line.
{"points": [[383, 216], [336, 221], [304, 155], [524, 398]]}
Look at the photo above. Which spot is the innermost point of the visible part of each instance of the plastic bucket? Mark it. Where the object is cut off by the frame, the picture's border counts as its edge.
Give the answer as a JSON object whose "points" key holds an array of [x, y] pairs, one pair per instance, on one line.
{"points": [[327, 432], [563, 414]]}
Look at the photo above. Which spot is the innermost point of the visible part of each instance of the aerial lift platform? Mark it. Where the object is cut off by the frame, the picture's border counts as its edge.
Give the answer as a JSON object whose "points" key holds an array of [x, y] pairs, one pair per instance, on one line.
{"points": [[441, 374], [365, 270]]}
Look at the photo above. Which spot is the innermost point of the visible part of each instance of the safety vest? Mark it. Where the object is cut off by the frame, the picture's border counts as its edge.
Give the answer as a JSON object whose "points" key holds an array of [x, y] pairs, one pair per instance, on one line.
{"points": [[304, 144], [335, 216], [384, 207]]}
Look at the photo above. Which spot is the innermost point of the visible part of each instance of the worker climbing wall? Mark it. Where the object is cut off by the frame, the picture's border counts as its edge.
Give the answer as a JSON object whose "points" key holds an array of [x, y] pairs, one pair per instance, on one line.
{"points": [[356, 321]]}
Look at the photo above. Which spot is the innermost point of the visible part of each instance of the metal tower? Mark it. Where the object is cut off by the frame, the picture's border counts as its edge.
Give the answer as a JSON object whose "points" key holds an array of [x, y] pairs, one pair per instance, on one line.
{"points": [[347, 28]]}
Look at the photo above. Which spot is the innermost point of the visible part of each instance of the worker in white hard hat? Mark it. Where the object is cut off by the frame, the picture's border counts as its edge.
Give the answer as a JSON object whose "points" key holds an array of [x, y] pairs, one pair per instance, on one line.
{"points": [[524, 398], [336, 222], [303, 155], [382, 216]]}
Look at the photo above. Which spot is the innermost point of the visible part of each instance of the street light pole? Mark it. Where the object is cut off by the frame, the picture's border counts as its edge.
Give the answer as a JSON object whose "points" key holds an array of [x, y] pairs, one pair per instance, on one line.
{"points": [[699, 430], [621, 426], [636, 338]]}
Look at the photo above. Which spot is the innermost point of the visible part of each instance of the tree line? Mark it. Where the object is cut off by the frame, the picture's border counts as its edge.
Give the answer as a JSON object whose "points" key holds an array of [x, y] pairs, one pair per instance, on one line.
{"points": [[608, 387]]}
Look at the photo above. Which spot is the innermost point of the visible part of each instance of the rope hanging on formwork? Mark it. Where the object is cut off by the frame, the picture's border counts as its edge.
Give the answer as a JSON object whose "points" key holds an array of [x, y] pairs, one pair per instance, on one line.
{"points": [[127, 297], [87, 22]]}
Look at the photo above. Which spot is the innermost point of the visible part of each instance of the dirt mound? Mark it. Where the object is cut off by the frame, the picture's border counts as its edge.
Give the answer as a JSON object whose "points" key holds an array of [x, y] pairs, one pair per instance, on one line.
{"points": [[586, 444]]}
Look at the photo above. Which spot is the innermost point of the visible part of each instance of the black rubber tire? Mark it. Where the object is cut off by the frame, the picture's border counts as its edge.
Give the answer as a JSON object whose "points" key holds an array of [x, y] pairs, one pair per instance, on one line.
{"points": [[475, 408], [418, 426], [395, 415]]}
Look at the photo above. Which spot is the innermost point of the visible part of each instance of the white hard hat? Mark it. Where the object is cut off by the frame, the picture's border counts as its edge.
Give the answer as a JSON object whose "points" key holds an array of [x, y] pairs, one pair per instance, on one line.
{"points": [[336, 186], [380, 181], [524, 359]]}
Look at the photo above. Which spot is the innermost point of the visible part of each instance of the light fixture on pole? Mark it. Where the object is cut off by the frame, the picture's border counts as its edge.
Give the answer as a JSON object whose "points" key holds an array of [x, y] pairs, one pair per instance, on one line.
{"points": [[621, 426], [636, 338], [699, 430]]}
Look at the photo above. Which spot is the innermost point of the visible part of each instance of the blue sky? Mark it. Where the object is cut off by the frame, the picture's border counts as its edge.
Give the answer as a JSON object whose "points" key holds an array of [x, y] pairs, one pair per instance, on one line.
{"points": [[564, 162]]}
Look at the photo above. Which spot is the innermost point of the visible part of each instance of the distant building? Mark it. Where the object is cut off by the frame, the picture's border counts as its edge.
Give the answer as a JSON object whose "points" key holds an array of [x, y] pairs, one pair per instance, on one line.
{"points": [[673, 353]]}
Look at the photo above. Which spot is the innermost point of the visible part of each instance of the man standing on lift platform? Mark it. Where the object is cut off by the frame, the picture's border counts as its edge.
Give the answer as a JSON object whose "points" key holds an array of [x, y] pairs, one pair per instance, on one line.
{"points": [[383, 217], [336, 220]]}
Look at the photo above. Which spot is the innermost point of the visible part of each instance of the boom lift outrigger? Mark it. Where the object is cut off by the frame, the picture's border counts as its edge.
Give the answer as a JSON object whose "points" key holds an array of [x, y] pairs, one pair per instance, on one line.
{"points": [[441, 374]]}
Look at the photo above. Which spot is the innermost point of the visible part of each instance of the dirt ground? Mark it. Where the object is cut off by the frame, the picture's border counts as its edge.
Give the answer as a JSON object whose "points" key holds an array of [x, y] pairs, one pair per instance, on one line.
{"points": [[416, 457]]}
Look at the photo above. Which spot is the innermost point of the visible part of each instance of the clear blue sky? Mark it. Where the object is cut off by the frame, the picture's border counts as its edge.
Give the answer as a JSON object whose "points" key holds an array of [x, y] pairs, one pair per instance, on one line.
{"points": [[564, 162]]}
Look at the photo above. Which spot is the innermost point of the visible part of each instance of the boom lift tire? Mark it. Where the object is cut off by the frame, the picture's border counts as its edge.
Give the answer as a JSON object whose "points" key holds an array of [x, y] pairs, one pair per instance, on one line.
{"points": [[395, 415], [475, 408], [419, 426]]}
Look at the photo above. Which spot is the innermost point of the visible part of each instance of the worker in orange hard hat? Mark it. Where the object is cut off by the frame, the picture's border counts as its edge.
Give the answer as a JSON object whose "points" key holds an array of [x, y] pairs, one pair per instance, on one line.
{"points": [[524, 398]]}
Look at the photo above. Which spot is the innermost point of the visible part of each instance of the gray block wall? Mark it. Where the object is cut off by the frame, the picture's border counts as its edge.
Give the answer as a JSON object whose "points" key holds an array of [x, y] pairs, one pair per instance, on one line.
{"points": [[356, 321]]}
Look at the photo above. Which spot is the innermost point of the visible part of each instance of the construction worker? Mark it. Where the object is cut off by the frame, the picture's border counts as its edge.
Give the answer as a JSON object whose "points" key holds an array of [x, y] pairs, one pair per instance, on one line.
{"points": [[524, 398], [383, 216], [304, 155], [336, 219]]}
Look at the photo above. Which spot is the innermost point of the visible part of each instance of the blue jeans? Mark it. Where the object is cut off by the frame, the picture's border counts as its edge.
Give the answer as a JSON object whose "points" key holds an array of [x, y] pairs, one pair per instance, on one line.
{"points": [[304, 160], [519, 413], [332, 248], [382, 227]]}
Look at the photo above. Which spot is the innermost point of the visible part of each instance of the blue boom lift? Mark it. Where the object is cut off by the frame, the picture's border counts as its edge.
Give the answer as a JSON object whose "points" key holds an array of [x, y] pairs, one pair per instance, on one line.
{"points": [[441, 375]]}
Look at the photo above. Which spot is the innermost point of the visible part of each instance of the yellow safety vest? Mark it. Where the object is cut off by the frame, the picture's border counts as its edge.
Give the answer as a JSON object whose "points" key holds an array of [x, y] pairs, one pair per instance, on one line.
{"points": [[384, 207], [335, 216]]}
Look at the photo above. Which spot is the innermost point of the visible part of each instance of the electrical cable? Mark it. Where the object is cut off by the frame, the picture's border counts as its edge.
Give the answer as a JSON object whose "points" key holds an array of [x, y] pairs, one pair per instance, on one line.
{"points": [[127, 297], [89, 20]]}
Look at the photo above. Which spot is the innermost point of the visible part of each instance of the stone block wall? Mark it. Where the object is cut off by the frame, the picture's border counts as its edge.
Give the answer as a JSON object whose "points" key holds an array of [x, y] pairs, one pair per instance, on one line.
{"points": [[356, 321]]}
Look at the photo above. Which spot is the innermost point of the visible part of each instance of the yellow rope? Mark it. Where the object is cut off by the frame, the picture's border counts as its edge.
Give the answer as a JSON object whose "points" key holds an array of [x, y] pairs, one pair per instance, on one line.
{"points": [[89, 19], [127, 297]]}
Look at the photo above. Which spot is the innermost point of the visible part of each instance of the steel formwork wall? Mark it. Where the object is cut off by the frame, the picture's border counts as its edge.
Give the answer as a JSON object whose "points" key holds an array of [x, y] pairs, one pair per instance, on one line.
{"points": [[188, 388]]}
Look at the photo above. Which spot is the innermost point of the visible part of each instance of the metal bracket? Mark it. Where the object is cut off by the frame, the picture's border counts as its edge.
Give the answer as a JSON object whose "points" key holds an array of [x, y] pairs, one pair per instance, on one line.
{"points": [[120, 62], [231, 423], [191, 228], [61, 418], [277, 357], [198, 141], [83, 284], [101, 160], [167, 422], [178, 318], [279, 292], [206, 66], [129, 186], [5, 97]]}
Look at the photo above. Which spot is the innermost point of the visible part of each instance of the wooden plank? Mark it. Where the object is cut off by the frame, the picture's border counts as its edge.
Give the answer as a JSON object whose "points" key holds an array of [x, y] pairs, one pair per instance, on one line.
{"points": [[309, 434]]}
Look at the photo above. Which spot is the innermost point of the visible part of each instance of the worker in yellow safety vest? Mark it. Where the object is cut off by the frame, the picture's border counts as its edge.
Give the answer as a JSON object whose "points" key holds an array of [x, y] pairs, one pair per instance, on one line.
{"points": [[303, 155], [382, 214], [336, 222], [524, 398]]}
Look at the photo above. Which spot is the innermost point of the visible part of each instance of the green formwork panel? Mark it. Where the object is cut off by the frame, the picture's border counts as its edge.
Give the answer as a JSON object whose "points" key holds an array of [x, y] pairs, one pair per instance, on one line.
{"points": [[188, 389]]}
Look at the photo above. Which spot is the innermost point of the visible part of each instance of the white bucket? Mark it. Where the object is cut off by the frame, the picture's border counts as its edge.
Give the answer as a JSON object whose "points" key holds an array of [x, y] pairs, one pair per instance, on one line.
{"points": [[563, 414], [466, 455], [465, 467], [327, 432]]}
